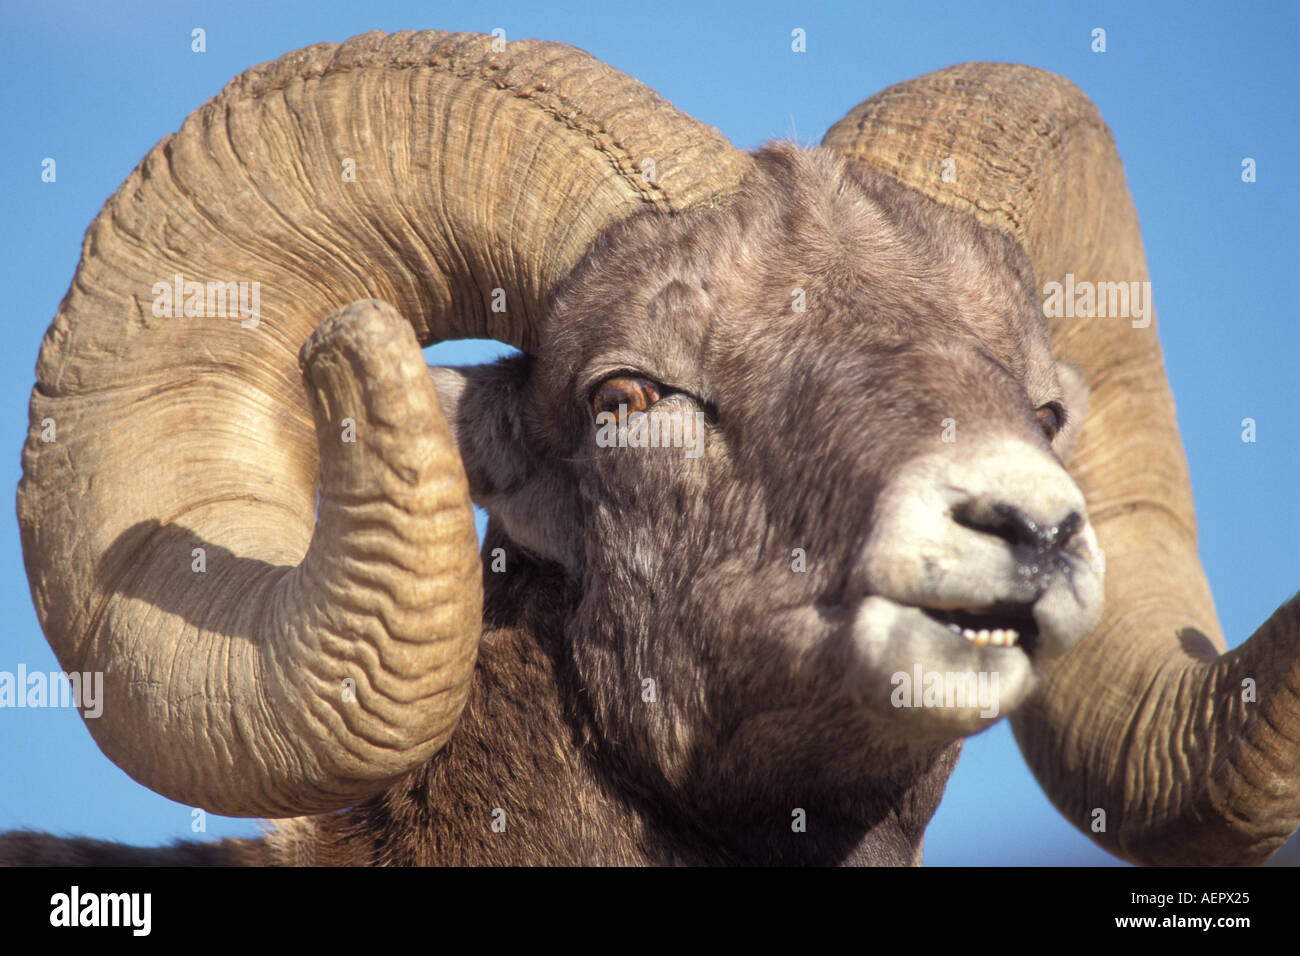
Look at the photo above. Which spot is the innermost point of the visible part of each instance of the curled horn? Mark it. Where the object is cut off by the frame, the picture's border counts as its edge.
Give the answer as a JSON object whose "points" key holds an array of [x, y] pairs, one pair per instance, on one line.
{"points": [[1145, 719], [264, 654]]}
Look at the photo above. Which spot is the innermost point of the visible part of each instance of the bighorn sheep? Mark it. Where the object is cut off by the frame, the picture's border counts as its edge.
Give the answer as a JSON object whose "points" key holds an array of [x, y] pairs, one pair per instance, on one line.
{"points": [[268, 549]]}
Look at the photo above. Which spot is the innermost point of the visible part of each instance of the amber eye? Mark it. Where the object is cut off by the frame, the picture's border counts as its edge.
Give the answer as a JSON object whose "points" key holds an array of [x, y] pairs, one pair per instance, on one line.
{"points": [[636, 393], [1050, 419]]}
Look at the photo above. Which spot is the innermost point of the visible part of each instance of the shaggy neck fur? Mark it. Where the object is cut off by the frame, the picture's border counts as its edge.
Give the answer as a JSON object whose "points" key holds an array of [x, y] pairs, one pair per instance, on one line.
{"points": [[525, 781]]}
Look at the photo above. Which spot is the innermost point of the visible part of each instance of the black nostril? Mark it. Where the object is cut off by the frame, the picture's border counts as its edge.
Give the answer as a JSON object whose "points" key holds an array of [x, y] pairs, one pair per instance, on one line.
{"points": [[1016, 528], [1067, 529]]}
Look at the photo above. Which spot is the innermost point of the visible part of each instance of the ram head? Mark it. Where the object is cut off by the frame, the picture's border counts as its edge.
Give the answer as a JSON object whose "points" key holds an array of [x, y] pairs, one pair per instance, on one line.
{"points": [[787, 439]]}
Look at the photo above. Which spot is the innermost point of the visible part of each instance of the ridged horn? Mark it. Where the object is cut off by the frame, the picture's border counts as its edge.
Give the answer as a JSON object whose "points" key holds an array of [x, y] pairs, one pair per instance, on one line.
{"points": [[1147, 719], [261, 657]]}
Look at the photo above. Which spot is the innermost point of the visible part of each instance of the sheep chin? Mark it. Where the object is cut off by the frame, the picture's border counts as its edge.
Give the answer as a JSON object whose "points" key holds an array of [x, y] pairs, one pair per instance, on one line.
{"points": [[930, 682]]}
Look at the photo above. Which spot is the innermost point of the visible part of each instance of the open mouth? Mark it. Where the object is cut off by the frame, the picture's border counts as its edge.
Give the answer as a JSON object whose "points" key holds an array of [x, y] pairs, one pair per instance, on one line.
{"points": [[1002, 625]]}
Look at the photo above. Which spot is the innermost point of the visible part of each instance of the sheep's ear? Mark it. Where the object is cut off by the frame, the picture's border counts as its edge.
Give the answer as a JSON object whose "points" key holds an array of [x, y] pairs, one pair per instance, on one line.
{"points": [[1076, 392], [510, 475]]}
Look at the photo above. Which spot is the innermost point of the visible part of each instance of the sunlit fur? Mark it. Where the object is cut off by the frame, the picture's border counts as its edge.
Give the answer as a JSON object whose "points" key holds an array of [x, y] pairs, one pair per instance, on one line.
{"points": [[642, 564]]}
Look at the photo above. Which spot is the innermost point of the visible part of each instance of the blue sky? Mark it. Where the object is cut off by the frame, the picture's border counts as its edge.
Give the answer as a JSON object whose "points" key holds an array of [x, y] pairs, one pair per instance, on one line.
{"points": [[1188, 89]]}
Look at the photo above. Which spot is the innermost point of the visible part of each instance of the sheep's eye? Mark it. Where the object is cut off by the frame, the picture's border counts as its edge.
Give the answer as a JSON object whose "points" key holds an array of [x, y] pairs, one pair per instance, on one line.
{"points": [[636, 393], [1050, 419]]}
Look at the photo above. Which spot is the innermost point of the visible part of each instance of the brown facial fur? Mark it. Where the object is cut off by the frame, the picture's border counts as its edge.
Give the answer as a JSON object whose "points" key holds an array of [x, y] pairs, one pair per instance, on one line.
{"points": [[645, 564]]}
